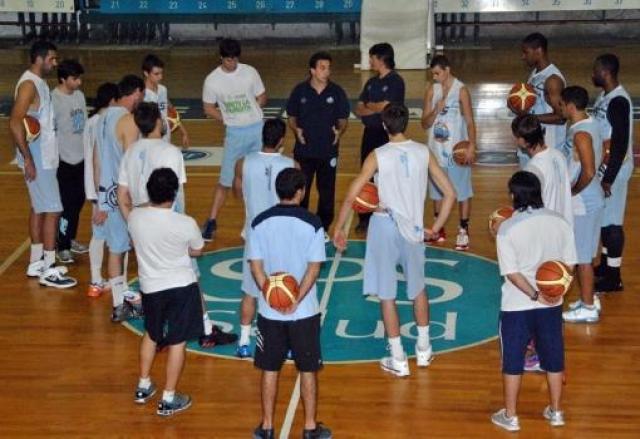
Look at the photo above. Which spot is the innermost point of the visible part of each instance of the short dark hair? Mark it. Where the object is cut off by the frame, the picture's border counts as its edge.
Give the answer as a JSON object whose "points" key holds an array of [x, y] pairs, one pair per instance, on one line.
{"points": [[69, 67], [273, 131], [288, 182], [105, 94], [526, 190], [322, 55], [146, 116], [150, 61], [40, 49], [440, 61], [576, 95], [384, 51], [162, 186], [129, 84], [528, 127], [395, 118], [230, 48], [610, 63], [536, 41]]}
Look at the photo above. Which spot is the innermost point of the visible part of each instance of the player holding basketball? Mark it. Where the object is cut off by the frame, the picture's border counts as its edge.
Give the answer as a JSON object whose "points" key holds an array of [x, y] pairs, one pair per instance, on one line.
{"points": [[584, 151], [447, 111], [397, 232], [38, 160], [298, 328], [255, 179], [548, 82], [614, 112], [533, 235], [153, 71]]}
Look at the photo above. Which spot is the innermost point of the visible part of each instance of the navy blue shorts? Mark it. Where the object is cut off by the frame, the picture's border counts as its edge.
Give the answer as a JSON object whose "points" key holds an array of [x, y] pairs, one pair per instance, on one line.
{"points": [[544, 326]]}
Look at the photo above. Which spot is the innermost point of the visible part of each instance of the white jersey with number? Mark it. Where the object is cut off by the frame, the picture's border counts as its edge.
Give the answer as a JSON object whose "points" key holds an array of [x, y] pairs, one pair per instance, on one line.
{"points": [[160, 97], [554, 134], [449, 127], [402, 179], [599, 112]]}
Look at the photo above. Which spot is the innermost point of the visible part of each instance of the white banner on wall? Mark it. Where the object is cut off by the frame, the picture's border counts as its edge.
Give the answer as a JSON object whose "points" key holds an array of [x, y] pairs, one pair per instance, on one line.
{"points": [[37, 6], [462, 6]]}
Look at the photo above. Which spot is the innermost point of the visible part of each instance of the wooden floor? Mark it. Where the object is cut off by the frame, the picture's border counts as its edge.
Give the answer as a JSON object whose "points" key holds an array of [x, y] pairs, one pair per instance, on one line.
{"points": [[66, 371]]}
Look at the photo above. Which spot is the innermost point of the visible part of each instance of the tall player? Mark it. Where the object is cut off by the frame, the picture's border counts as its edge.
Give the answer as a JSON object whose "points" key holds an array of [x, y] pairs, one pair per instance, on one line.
{"points": [[548, 82], [255, 179], [116, 132], [39, 162], [614, 112], [234, 95], [584, 148], [397, 232], [448, 112], [154, 91]]}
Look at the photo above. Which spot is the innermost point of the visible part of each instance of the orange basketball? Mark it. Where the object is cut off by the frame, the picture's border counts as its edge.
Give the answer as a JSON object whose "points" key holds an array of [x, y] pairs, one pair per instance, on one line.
{"points": [[498, 217], [280, 290], [31, 128], [521, 97], [367, 201], [173, 117], [553, 280], [460, 152]]}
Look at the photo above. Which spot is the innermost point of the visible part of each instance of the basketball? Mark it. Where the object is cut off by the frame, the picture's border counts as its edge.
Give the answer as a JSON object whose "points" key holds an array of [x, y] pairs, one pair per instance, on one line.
{"points": [[521, 97], [460, 152], [280, 290], [498, 217], [173, 117], [31, 128], [367, 201], [553, 280]]}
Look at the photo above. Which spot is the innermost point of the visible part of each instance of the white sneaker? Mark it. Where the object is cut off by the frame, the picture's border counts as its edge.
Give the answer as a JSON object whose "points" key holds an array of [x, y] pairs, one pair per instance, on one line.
{"points": [[578, 303], [555, 417], [399, 368], [35, 268], [424, 358], [582, 314], [52, 277], [462, 240], [501, 419]]}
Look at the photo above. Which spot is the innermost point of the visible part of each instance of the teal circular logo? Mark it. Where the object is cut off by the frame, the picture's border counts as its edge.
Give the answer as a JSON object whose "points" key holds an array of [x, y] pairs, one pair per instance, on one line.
{"points": [[464, 296]]}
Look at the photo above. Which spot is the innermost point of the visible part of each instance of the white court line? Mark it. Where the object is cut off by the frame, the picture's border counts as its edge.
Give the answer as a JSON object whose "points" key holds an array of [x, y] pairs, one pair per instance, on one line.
{"points": [[15, 255], [324, 301]]}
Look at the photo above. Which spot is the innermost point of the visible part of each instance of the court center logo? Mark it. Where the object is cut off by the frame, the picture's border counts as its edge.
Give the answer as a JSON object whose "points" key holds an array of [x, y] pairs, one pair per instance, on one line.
{"points": [[464, 294]]}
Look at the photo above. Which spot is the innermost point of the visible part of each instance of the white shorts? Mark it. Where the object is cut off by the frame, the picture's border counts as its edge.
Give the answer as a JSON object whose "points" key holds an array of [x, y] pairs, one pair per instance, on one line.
{"points": [[615, 205], [586, 229]]}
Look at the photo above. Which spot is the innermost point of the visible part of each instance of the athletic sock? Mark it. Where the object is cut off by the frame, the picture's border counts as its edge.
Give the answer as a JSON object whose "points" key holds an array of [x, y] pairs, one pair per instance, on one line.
{"points": [[144, 383], [423, 337], [614, 252], [245, 334], [464, 224], [118, 287], [96, 255], [36, 252], [395, 343], [167, 395], [49, 258], [207, 323]]}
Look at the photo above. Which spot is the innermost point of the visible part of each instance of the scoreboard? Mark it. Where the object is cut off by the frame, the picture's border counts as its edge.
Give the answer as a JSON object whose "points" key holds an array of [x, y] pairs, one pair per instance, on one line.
{"points": [[229, 6], [65, 6]]}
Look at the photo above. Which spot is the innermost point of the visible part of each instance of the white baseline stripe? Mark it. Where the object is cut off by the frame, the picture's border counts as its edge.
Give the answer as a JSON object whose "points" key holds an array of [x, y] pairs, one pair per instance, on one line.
{"points": [[324, 301], [15, 255]]}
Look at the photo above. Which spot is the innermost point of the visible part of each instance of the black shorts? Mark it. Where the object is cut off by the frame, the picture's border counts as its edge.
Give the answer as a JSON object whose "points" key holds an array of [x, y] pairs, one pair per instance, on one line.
{"points": [[276, 337], [173, 316]]}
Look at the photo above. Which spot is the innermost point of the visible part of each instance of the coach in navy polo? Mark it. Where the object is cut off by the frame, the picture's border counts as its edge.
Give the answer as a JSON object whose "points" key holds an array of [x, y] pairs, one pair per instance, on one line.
{"points": [[318, 112]]}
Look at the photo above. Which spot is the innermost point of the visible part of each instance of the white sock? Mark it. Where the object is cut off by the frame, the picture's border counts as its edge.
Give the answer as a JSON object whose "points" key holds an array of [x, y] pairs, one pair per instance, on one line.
{"points": [[167, 395], [208, 324], [49, 258], [36, 253], [96, 255], [245, 333], [396, 348], [144, 383], [423, 337], [118, 287]]}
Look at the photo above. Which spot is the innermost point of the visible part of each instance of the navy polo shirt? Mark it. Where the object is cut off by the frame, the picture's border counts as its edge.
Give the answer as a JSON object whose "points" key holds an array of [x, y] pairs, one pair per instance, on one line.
{"points": [[317, 114], [377, 89]]}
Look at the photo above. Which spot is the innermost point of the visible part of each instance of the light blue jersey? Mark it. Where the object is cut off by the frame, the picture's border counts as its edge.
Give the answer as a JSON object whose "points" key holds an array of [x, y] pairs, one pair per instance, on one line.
{"points": [[111, 152]]}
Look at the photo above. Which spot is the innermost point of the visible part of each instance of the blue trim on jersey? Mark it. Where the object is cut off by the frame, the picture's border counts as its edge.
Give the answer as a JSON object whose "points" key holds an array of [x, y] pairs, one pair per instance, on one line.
{"points": [[290, 210]]}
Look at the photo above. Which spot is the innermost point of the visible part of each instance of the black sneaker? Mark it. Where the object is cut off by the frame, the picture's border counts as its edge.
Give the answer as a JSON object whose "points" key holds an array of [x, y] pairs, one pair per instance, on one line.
{"points": [[263, 433], [53, 277], [217, 337], [209, 230], [605, 285], [125, 312], [320, 432]]}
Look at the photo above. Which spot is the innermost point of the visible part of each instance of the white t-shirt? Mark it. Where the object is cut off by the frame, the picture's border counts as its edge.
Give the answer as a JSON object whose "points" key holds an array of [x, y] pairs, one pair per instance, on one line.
{"points": [[550, 166], [162, 239], [160, 97], [235, 93], [525, 241], [141, 159]]}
